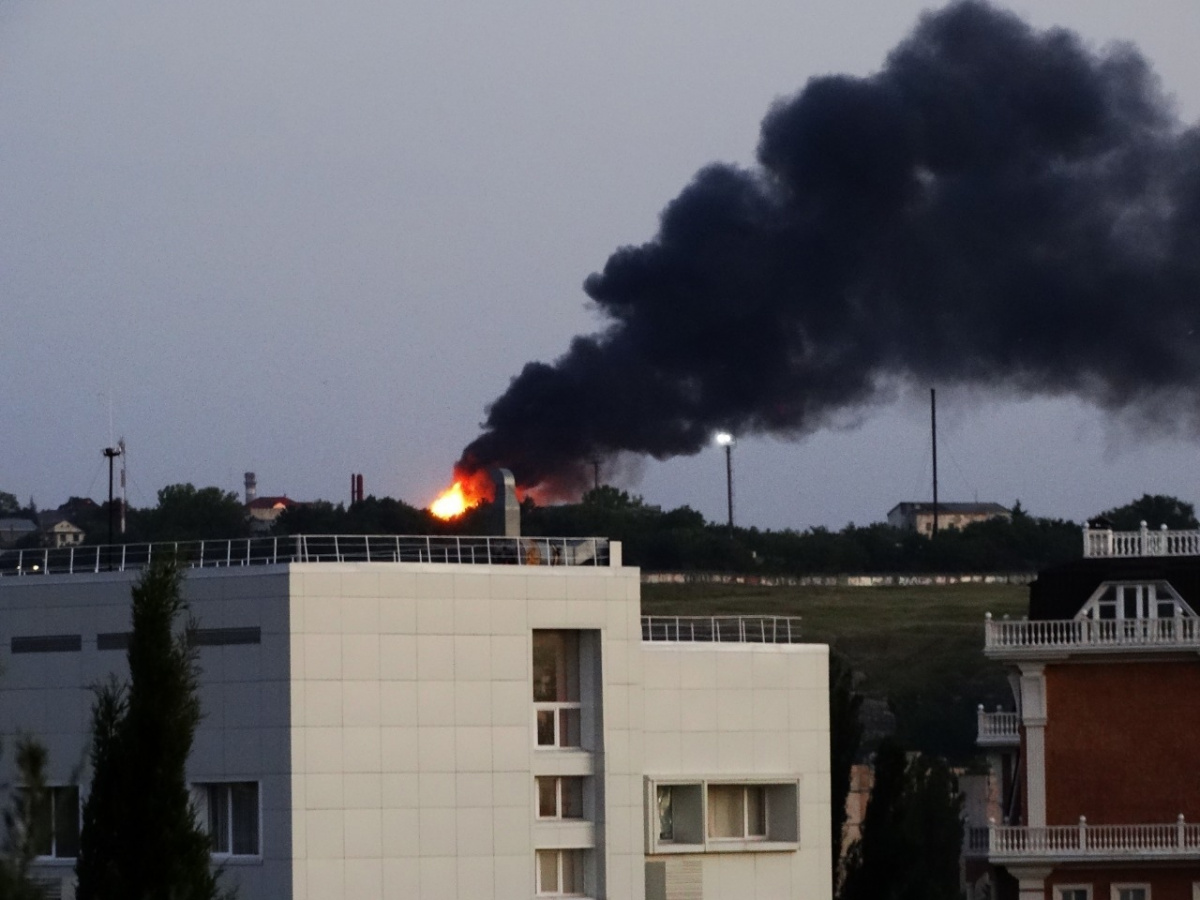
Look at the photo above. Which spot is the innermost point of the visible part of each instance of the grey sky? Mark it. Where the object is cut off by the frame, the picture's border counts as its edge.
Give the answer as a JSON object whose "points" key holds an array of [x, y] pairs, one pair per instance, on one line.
{"points": [[311, 239]]}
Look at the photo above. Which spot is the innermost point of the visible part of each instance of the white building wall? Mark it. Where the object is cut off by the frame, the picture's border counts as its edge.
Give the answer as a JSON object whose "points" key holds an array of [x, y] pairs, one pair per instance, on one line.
{"points": [[413, 757], [724, 712]]}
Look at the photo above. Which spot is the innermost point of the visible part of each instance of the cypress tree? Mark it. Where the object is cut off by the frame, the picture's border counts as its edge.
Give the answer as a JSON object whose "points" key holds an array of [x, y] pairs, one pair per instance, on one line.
{"points": [[845, 738], [911, 834], [140, 840]]}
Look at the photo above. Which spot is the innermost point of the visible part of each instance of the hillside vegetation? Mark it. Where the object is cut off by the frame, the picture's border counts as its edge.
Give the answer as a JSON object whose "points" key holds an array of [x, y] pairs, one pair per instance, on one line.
{"points": [[920, 649]]}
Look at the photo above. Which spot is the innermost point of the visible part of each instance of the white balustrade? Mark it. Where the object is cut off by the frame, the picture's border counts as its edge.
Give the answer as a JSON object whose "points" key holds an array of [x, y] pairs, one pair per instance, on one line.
{"points": [[1143, 542], [1083, 841], [997, 728], [1013, 637]]}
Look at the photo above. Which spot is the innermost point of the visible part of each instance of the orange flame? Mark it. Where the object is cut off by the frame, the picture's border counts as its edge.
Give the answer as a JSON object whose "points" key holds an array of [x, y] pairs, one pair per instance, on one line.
{"points": [[466, 492]]}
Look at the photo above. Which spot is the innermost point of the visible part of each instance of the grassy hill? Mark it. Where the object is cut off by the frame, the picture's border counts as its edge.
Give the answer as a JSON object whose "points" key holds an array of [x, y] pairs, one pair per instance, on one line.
{"points": [[918, 648]]}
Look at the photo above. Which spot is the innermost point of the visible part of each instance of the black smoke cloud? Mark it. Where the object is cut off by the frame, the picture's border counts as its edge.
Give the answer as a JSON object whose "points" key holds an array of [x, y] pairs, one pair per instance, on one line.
{"points": [[997, 207]]}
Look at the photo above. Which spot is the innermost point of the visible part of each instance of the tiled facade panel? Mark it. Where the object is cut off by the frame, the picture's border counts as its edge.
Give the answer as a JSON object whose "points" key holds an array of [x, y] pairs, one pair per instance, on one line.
{"points": [[1120, 742], [413, 757], [740, 711], [1166, 882]]}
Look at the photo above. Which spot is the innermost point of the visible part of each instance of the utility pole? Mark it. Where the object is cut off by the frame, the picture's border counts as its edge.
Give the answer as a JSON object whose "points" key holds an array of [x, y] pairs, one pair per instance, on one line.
{"points": [[933, 427], [727, 440], [111, 453]]}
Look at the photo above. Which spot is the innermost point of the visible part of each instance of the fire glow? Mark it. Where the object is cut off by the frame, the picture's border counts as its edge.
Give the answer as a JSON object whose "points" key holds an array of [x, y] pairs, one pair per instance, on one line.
{"points": [[467, 492]]}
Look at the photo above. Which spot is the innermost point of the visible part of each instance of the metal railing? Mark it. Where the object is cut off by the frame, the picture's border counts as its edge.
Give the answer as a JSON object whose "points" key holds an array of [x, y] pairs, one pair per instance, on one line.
{"points": [[722, 629], [996, 729], [263, 551], [1023, 637], [1143, 542], [1084, 841]]}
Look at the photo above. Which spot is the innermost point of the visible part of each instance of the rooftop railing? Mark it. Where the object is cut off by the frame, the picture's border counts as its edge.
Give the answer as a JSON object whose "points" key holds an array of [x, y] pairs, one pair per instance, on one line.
{"points": [[1005, 638], [1143, 542], [722, 629], [997, 729], [261, 551], [1094, 842]]}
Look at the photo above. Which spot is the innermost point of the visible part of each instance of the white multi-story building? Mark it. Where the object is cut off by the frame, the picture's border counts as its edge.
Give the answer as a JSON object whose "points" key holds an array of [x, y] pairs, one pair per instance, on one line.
{"points": [[447, 718]]}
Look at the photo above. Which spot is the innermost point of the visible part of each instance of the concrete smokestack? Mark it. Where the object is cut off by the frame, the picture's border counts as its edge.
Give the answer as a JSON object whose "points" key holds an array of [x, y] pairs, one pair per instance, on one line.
{"points": [[506, 509], [251, 488]]}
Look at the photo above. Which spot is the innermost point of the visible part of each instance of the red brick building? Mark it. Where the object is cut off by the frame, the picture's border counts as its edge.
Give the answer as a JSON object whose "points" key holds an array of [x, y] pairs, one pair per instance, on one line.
{"points": [[1096, 770]]}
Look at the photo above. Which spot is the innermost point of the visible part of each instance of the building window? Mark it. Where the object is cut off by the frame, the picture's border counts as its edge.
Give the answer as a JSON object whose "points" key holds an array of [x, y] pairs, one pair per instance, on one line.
{"points": [[228, 811], [665, 801], [1137, 600], [560, 798], [56, 823], [1131, 892], [556, 688], [721, 817], [1073, 892], [560, 873], [737, 812]]}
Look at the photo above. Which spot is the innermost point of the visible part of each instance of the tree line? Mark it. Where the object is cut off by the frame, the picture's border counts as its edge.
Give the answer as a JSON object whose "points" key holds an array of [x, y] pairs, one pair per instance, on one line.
{"points": [[655, 539]]}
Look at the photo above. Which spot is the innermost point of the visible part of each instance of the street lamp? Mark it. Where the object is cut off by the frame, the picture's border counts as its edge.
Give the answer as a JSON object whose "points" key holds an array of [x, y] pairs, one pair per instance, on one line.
{"points": [[727, 440], [111, 453]]}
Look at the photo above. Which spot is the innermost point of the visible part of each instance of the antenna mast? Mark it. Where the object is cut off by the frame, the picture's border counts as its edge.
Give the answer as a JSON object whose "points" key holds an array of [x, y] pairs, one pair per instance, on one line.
{"points": [[933, 429]]}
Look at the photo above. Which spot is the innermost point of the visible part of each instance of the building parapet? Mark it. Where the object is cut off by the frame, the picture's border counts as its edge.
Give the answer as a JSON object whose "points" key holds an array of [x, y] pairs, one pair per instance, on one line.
{"points": [[1084, 842], [1104, 542], [997, 729], [540, 551], [722, 629], [1005, 639]]}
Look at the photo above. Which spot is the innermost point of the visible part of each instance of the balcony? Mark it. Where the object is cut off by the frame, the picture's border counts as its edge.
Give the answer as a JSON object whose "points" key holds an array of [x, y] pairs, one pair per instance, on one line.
{"points": [[1145, 541], [997, 729], [310, 548], [1055, 638], [721, 629], [1084, 842]]}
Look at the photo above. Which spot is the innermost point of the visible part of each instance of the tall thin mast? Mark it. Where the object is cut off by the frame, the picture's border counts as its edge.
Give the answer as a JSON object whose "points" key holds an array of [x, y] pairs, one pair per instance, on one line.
{"points": [[933, 428]]}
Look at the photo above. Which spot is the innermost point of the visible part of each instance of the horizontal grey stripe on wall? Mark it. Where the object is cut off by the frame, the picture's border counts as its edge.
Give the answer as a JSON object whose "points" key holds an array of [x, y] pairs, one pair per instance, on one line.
{"points": [[225, 637], [114, 640], [201, 637], [48, 643]]}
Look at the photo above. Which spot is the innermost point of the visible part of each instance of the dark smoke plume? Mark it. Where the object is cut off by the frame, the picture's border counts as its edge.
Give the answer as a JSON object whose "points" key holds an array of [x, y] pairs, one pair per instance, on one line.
{"points": [[997, 207]]}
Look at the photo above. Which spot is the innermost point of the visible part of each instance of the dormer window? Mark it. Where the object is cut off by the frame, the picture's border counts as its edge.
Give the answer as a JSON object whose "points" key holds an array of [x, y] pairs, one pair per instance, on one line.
{"points": [[1135, 600]]}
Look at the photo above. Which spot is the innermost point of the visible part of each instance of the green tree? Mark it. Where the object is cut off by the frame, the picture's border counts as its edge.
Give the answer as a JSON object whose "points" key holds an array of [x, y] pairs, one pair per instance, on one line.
{"points": [[845, 738], [9, 504], [185, 513], [1155, 510], [911, 834], [26, 828], [140, 840]]}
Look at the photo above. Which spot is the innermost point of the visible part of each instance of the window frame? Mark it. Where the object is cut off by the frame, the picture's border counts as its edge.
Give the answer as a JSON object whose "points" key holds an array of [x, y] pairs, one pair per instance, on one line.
{"points": [[559, 786], [780, 815], [1061, 891], [560, 853], [52, 793], [203, 816], [744, 804], [1115, 889]]}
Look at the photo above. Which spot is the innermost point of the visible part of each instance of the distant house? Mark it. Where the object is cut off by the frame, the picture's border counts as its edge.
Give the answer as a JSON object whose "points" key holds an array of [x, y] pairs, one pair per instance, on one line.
{"points": [[59, 531], [919, 516], [14, 530], [263, 511]]}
